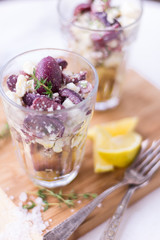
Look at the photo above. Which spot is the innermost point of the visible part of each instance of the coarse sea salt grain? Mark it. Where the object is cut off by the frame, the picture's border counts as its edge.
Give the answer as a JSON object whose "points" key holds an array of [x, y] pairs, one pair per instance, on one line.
{"points": [[26, 224], [99, 205], [23, 197], [72, 210], [79, 201], [11, 197]]}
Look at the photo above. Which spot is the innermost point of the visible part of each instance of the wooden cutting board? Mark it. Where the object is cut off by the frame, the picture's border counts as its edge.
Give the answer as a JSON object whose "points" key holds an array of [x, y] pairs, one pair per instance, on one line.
{"points": [[139, 99]]}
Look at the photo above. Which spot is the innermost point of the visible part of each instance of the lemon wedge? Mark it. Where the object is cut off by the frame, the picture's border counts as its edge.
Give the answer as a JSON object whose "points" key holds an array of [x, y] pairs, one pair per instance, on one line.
{"points": [[100, 164], [120, 150], [115, 128], [114, 144]]}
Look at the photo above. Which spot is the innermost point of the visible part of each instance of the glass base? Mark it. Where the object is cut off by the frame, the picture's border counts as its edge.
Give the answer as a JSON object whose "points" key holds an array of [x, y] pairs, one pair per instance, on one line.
{"points": [[57, 182], [109, 104]]}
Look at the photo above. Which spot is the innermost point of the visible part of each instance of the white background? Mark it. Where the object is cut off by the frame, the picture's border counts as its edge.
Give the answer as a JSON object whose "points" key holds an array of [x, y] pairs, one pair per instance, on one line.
{"points": [[26, 25]]}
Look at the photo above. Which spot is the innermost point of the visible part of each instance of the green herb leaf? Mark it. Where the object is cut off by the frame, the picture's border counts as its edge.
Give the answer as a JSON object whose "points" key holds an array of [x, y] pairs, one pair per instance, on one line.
{"points": [[42, 83], [29, 206], [46, 206], [41, 194]]}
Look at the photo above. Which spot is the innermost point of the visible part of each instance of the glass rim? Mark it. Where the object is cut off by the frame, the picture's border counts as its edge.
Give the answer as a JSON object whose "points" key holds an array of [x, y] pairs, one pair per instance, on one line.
{"points": [[28, 110], [101, 30]]}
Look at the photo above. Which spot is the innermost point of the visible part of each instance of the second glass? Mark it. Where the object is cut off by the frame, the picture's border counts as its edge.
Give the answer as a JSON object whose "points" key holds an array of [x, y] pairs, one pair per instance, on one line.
{"points": [[106, 49]]}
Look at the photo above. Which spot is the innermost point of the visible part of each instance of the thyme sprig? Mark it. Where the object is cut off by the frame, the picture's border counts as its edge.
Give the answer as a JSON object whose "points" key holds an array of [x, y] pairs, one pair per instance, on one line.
{"points": [[67, 198], [42, 83], [5, 131]]}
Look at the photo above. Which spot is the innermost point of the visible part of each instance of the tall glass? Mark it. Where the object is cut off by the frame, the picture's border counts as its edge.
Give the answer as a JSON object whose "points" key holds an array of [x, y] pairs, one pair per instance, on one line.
{"points": [[50, 160], [106, 49]]}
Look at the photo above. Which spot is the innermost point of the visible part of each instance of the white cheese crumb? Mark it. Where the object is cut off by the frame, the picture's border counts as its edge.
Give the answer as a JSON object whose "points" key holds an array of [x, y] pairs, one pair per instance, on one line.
{"points": [[28, 67], [55, 94], [23, 197], [21, 85], [14, 97], [58, 107], [73, 87], [58, 145], [30, 86], [68, 103], [83, 83]]}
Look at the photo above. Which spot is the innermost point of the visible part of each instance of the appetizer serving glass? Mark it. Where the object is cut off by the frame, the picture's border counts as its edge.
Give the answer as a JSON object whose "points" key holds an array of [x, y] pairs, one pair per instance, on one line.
{"points": [[50, 162], [106, 49]]}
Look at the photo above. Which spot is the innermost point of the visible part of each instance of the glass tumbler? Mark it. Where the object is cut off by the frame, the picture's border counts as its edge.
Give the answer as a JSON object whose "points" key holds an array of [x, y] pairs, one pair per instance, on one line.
{"points": [[106, 49], [49, 161]]}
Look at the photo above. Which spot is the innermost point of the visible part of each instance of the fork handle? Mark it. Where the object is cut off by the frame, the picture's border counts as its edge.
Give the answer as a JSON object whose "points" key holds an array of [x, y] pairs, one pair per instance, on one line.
{"points": [[65, 229], [111, 230]]}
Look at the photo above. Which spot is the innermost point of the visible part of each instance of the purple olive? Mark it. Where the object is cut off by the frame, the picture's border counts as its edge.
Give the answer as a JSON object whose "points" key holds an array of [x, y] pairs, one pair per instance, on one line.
{"points": [[11, 82], [73, 96], [81, 8], [44, 103], [40, 126], [102, 16], [74, 78], [61, 62], [28, 98], [49, 69], [101, 41]]}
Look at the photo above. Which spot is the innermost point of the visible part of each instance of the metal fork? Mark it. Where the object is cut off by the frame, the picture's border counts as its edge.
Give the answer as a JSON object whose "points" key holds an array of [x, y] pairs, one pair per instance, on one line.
{"points": [[148, 170], [136, 174]]}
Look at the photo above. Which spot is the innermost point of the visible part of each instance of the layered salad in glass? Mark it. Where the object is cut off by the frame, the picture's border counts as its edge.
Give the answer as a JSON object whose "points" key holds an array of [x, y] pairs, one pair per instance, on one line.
{"points": [[49, 108], [101, 31]]}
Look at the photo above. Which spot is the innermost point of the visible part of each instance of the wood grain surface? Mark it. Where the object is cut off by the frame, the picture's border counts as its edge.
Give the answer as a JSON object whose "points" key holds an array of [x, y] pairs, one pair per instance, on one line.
{"points": [[140, 99]]}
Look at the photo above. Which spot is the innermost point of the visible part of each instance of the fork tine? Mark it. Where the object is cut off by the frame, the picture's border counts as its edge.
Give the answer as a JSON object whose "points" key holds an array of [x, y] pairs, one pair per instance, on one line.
{"points": [[153, 169], [148, 158], [144, 145], [149, 166]]}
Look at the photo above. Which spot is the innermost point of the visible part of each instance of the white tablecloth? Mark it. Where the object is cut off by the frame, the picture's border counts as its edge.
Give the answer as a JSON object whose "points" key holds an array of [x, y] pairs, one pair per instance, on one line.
{"points": [[26, 25]]}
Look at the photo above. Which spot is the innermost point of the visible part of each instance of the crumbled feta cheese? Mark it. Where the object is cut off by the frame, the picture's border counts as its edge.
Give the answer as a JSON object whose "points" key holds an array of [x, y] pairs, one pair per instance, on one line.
{"points": [[113, 43], [98, 6], [28, 67], [73, 87], [21, 85], [55, 94], [23, 197], [68, 103], [58, 145], [14, 97], [30, 86], [112, 13], [83, 83]]}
